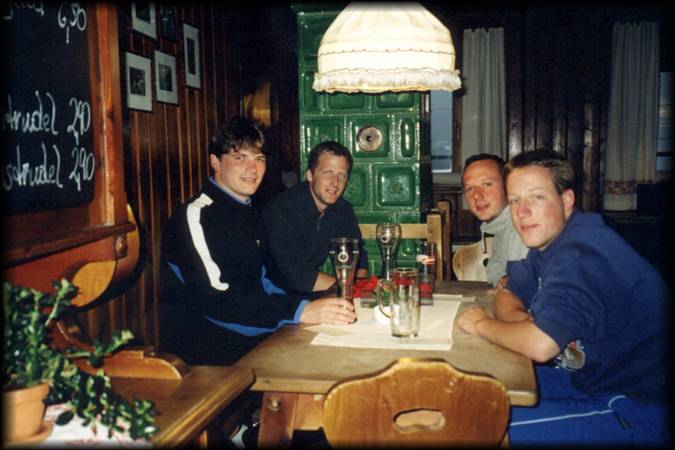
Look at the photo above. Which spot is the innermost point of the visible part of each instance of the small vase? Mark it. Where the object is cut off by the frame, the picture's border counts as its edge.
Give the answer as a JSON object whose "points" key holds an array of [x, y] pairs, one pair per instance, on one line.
{"points": [[23, 411]]}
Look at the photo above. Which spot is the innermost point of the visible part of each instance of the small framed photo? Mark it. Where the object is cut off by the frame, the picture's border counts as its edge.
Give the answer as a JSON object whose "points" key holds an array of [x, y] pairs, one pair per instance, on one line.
{"points": [[165, 78], [139, 89], [143, 18], [192, 61], [167, 21]]}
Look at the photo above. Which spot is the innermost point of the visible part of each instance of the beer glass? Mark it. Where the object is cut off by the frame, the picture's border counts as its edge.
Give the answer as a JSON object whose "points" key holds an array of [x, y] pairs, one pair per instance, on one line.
{"points": [[403, 309], [344, 253], [388, 236]]}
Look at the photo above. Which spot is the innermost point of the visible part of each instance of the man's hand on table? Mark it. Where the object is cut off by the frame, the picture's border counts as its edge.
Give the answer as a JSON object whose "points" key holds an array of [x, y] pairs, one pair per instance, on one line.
{"points": [[468, 320], [502, 283], [331, 310]]}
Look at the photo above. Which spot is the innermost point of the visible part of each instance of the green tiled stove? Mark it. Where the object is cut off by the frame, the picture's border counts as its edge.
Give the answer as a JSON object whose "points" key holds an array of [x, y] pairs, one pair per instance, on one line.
{"points": [[388, 135]]}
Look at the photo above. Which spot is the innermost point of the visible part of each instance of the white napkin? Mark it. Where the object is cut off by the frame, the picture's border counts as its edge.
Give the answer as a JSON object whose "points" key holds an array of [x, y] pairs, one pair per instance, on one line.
{"points": [[368, 332]]}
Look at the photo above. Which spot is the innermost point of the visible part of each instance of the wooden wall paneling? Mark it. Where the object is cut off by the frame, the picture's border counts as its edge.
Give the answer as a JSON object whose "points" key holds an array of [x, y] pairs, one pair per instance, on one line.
{"points": [[189, 178], [576, 90], [174, 166], [560, 62], [591, 137], [529, 81], [188, 117], [216, 67], [514, 49], [205, 96], [544, 66], [598, 157], [208, 93]]}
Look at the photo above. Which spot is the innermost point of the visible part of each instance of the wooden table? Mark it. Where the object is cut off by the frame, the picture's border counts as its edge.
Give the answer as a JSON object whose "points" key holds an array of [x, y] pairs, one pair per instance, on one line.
{"points": [[294, 375], [187, 406]]}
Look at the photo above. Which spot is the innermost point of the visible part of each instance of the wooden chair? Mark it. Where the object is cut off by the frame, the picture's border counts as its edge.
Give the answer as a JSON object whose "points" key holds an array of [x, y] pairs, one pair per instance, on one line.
{"points": [[468, 263], [432, 231], [444, 209], [418, 403]]}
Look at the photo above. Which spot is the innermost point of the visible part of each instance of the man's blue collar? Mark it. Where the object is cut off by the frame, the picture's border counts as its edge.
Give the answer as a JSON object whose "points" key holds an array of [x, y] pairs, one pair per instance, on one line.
{"points": [[246, 202]]}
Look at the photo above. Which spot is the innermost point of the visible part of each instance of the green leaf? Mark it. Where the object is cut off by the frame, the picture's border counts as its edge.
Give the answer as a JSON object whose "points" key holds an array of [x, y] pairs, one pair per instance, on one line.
{"points": [[64, 417]]}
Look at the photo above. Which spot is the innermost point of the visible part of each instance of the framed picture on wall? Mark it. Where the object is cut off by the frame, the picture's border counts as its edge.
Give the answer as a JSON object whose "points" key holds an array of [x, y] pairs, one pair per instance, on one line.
{"points": [[165, 78], [192, 61], [139, 90], [143, 18], [167, 22]]}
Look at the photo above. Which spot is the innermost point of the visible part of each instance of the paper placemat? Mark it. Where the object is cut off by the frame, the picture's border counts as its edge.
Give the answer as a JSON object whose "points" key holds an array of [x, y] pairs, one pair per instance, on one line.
{"points": [[370, 301], [371, 331], [454, 297]]}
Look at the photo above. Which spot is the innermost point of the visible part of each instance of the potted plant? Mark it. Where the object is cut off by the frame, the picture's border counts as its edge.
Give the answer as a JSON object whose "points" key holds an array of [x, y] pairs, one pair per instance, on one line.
{"points": [[32, 366]]}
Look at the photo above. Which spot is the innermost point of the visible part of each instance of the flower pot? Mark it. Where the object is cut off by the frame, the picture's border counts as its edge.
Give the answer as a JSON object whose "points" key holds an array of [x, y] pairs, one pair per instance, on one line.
{"points": [[23, 410]]}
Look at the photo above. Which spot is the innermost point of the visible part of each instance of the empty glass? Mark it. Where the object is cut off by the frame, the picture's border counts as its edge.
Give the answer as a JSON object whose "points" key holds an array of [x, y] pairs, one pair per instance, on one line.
{"points": [[388, 237], [403, 309]]}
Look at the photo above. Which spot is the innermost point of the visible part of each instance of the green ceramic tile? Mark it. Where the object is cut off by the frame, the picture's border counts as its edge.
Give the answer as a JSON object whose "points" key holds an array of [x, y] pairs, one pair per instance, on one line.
{"points": [[395, 186], [316, 129], [408, 101], [357, 190], [338, 103], [309, 99], [408, 138], [310, 31]]}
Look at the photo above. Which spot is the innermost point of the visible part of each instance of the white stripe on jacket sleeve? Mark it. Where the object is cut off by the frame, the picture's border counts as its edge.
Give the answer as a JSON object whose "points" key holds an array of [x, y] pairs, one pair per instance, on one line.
{"points": [[199, 241]]}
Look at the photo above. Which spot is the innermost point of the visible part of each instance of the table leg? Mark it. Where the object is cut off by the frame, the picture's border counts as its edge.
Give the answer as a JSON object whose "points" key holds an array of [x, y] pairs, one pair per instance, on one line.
{"points": [[277, 419]]}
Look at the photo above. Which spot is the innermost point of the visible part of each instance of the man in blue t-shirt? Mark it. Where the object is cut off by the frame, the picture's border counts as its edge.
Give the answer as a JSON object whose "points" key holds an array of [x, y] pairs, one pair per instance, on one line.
{"points": [[585, 301]]}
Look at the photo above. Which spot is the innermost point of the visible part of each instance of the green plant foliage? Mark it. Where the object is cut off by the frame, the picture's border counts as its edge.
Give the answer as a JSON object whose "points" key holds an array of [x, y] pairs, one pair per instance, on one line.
{"points": [[29, 360]]}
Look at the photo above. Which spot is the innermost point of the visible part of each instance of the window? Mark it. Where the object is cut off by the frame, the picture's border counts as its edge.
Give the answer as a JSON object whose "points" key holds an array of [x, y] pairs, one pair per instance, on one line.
{"points": [[664, 143], [441, 131]]}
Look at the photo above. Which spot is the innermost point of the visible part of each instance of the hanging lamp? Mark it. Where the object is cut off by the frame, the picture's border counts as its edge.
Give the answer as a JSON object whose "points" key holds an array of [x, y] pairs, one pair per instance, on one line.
{"points": [[380, 47]]}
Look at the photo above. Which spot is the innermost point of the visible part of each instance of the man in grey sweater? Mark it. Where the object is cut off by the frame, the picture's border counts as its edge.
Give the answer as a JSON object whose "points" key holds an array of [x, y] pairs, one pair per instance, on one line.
{"points": [[486, 196]]}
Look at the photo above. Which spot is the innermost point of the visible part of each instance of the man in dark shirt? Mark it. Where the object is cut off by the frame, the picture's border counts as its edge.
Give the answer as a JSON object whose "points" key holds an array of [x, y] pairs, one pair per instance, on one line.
{"points": [[301, 222], [219, 302], [584, 300]]}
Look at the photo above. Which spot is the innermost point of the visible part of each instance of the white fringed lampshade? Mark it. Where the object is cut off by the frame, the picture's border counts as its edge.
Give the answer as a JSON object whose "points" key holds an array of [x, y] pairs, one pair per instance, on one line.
{"points": [[380, 47]]}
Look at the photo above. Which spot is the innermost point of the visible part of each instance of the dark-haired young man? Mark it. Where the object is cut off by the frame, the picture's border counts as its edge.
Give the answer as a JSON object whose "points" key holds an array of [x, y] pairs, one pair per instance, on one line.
{"points": [[486, 196], [586, 301], [215, 247], [301, 222]]}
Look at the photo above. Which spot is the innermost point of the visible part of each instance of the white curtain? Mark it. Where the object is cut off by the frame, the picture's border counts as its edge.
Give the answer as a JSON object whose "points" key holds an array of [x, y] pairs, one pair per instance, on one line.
{"points": [[484, 101], [633, 114]]}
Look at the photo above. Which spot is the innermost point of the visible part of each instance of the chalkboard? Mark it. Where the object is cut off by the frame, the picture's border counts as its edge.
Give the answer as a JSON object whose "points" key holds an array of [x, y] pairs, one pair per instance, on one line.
{"points": [[48, 156]]}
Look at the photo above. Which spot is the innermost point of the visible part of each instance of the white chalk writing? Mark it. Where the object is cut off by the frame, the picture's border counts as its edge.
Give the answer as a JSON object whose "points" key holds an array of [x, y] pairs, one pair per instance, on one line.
{"points": [[23, 174], [83, 167], [81, 118], [78, 18], [31, 121], [37, 7]]}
